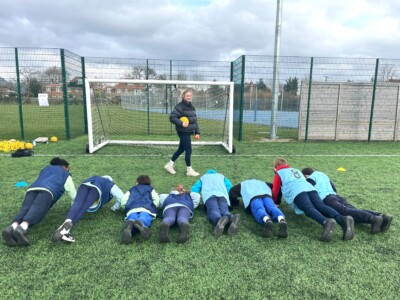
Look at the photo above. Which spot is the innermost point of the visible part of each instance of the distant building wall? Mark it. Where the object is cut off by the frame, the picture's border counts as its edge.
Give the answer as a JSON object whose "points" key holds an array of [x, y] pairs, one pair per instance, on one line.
{"points": [[342, 111]]}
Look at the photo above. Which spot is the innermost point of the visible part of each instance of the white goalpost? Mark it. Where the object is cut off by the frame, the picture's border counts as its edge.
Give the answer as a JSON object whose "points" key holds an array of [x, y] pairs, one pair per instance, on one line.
{"points": [[128, 111]]}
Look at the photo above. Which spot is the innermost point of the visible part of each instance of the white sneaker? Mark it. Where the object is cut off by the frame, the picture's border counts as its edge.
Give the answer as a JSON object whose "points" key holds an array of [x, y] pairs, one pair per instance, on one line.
{"points": [[191, 172], [62, 230], [170, 168], [68, 238]]}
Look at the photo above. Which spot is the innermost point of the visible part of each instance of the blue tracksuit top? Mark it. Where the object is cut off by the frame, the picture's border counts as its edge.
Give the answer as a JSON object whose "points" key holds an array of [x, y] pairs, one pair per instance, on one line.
{"points": [[52, 178], [213, 184], [322, 184], [140, 196], [252, 188], [104, 187], [293, 183], [184, 199]]}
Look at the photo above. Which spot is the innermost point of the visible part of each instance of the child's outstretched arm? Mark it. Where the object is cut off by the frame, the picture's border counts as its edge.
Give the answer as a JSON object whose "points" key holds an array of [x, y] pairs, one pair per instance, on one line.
{"points": [[155, 197], [124, 199], [69, 187], [276, 188], [162, 198], [333, 186], [197, 186], [228, 184], [311, 181], [118, 195], [195, 198]]}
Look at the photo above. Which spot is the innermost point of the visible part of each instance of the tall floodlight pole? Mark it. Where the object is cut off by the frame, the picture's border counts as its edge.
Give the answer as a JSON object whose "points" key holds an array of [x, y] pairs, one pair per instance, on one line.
{"points": [[275, 84]]}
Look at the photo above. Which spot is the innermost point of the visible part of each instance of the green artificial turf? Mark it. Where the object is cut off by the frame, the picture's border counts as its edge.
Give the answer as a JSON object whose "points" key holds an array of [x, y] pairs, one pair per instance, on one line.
{"points": [[245, 266]]}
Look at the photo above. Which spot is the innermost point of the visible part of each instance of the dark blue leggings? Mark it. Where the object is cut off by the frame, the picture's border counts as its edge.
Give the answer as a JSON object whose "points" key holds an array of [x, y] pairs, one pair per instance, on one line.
{"points": [[185, 145], [313, 207], [217, 207], [85, 196], [180, 214], [340, 204], [35, 207]]}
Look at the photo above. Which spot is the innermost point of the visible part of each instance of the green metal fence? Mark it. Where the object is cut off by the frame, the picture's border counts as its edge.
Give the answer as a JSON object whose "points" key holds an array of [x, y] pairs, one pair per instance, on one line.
{"points": [[25, 74], [254, 75], [319, 98], [350, 99]]}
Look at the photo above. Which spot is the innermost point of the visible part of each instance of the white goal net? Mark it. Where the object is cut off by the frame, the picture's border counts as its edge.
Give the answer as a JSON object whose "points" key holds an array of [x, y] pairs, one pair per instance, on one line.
{"points": [[137, 111]]}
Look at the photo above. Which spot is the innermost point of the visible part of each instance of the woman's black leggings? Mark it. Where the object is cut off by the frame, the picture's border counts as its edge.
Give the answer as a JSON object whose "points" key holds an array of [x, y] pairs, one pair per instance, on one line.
{"points": [[185, 145]]}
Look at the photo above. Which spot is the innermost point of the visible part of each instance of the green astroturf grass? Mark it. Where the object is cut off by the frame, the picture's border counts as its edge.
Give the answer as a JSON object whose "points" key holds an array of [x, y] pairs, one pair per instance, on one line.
{"points": [[245, 266]]}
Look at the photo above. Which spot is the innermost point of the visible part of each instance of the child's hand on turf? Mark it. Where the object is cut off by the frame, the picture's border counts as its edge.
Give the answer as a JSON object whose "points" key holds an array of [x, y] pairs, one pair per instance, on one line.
{"points": [[116, 206]]}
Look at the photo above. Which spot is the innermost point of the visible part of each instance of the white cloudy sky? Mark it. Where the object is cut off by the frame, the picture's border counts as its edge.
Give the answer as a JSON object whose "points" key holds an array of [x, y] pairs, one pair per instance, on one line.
{"points": [[203, 29]]}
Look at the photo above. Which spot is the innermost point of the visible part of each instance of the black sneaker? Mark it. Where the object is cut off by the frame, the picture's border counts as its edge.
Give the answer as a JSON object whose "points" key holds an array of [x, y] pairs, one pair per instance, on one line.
{"points": [[283, 229], [267, 232], [127, 232], [163, 234], [144, 231], [376, 224], [329, 230], [219, 228], [8, 236], [19, 235], [348, 228], [62, 230], [234, 227], [183, 233], [387, 220]]}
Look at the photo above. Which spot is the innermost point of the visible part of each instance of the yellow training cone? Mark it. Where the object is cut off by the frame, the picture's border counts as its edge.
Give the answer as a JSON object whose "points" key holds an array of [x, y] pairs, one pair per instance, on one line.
{"points": [[341, 169]]}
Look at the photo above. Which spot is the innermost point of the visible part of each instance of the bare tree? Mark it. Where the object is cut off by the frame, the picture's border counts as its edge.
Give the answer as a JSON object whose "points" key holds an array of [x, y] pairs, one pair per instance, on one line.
{"points": [[140, 72], [28, 74], [52, 75], [386, 73]]}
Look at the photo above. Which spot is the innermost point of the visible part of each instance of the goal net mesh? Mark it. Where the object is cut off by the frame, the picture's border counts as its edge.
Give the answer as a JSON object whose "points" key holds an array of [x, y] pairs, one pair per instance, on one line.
{"points": [[137, 111]]}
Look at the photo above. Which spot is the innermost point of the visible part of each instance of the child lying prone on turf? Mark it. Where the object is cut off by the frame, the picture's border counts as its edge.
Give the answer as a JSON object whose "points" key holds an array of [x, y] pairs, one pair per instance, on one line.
{"points": [[141, 203], [303, 198], [327, 192], [41, 195], [256, 197], [92, 194], [178, 206], [214, 188]]}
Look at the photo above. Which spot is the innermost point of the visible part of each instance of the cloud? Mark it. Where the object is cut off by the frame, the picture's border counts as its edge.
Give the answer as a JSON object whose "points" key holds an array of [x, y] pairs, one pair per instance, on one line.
{"points": [[203, 29]]}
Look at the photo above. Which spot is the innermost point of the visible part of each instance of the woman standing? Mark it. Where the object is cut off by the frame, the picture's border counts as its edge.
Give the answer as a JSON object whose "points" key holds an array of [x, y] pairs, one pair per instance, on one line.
{"points": [[185, 120]]}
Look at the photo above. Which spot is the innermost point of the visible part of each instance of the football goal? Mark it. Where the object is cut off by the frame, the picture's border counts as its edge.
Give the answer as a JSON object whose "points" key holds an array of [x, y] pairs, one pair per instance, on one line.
{"points": [[124, 111]]}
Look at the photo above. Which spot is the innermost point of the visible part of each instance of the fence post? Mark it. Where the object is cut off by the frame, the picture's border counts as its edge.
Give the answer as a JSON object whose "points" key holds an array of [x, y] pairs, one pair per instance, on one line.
{"points": [[241, 99], [84, 93], [309, 98], [21, 119], [373, 100], [231, 75], [148, 97], [65, 96], [396, 131], [171, 127]]}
